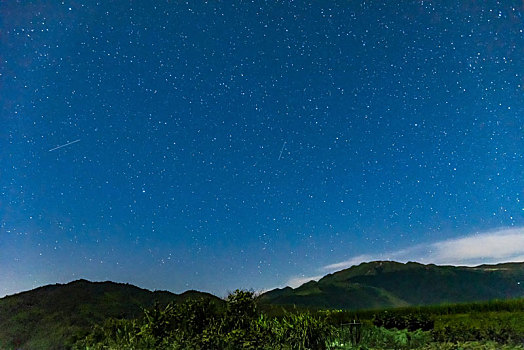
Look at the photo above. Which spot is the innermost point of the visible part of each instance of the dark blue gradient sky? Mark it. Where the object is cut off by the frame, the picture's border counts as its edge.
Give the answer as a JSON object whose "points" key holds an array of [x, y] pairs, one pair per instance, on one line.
{"points": [[239, 144]]}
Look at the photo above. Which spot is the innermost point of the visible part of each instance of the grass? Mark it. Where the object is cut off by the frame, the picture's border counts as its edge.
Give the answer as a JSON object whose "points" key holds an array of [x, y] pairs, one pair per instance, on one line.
{"points": [[375, 338], [240, 325], [475, 330]]}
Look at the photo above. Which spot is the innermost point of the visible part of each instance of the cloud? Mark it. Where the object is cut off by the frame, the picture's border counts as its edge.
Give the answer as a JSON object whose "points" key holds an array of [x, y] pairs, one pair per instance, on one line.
{"points": [[503, 245], [295, 282], [346, 263], [498, 246]]}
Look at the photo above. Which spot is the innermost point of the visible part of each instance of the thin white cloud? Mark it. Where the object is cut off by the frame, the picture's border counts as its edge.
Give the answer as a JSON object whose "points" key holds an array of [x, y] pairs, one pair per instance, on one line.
{"points": [[295, 282], [347, 263], [503, 245]]}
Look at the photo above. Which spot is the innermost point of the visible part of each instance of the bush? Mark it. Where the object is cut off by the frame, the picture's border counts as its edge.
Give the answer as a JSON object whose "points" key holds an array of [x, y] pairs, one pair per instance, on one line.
{"points": [[198, 324], [411, 321], [381, 338], [502, 327]]}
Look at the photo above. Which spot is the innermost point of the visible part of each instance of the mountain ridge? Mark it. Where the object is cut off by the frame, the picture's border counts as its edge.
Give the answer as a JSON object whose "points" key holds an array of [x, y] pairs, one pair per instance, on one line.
{"points": [[62, 313], [384, 284], [55, 316]]}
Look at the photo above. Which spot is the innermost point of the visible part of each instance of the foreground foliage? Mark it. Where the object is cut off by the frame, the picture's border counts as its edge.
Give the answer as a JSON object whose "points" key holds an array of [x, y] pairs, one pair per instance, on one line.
{"points": [[54, 317], [199, 324], [381, 338], [239, 324]]}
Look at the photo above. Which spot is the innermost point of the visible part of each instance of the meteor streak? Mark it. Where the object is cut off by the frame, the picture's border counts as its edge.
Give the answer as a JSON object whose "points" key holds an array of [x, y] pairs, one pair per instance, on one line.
{"points": [[64, 145], [282, 150]]}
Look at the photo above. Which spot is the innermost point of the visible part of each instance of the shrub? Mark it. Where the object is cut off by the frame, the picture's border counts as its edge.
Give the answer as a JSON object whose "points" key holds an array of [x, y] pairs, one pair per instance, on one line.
{"points": [[411, 321]]}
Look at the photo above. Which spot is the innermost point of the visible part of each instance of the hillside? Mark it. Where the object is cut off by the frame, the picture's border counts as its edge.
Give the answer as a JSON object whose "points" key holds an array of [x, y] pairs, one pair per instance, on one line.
{"points": [[54, 316], [384, 284]]}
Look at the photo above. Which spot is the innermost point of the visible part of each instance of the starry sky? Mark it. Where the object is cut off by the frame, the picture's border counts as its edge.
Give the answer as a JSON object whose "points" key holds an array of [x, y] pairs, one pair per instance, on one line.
{"points": [[215, 145]]}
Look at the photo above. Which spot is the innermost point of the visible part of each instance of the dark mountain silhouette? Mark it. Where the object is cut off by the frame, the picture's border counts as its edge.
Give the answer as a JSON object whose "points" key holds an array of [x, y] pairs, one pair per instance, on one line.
{"points": [[54, 316], [384, 284]]}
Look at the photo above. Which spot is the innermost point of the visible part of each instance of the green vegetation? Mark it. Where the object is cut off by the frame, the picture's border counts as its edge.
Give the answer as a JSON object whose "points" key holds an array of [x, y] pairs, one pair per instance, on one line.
{"points": [[239, 324], [55, 316], [374, 314], [386, 284], [199, 324]]}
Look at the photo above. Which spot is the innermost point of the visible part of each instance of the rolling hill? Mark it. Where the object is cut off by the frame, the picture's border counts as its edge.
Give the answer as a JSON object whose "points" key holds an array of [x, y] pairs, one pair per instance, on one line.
{"points": [[384, 284], [54, 316]]}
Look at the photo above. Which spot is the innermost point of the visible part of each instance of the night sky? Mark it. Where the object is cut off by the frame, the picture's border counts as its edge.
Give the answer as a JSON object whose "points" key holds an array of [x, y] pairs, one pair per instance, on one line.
{"points": [[234, 144]]}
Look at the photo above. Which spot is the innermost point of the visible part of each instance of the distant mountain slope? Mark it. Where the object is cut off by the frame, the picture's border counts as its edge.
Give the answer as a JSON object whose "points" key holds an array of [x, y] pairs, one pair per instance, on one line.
{"points": [[390, 284], [51, 317], [54, 316]]}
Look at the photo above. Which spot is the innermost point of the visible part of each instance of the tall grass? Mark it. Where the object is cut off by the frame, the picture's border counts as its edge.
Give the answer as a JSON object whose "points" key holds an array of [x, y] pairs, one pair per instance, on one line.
{"points": [[200, 324]]}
